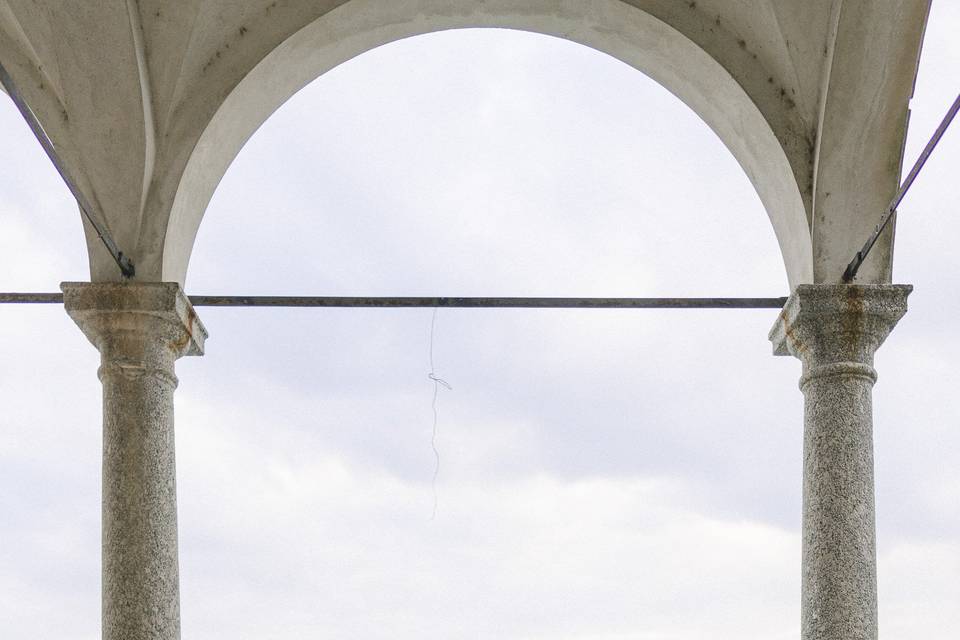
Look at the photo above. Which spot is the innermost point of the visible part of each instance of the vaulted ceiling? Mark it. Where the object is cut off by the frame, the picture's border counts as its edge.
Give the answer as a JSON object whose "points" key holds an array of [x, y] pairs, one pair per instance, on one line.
{"points": [[147, 102]]}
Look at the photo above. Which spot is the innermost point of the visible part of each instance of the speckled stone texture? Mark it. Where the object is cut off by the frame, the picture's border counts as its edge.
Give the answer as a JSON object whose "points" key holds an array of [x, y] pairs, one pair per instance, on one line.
{"points": [[140, 331], [835, 330]]}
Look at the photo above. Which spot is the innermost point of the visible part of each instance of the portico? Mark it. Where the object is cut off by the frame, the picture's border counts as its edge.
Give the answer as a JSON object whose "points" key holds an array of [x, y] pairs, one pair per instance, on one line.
{"points": [[811, 100]]}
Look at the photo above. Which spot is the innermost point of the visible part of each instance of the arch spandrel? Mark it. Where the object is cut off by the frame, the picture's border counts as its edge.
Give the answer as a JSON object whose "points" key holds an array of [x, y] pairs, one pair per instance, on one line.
{"points": [[75, 64], [862, 130]]}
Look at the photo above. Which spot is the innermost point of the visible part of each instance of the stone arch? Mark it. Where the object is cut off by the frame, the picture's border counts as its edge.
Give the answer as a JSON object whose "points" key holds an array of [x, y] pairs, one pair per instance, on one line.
{"points": [[614, 27]]}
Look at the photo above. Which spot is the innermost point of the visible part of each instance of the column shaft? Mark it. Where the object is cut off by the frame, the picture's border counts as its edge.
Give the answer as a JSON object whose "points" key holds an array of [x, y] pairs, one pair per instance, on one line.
{"points": [[839, 585], [140, 569]]}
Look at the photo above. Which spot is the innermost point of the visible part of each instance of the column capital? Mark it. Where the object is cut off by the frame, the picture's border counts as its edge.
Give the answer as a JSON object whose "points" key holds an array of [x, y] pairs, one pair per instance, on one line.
{"points": [[102, 309], [833, 323]]}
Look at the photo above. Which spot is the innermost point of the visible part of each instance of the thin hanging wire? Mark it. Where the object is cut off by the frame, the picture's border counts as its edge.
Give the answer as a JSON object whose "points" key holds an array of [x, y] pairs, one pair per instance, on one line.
{"points": [[437, 382]]}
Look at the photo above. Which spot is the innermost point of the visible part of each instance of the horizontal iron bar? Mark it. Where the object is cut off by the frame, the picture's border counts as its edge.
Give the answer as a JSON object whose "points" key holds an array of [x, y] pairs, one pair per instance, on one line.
{"points": [[474, 303], [851, 271], [31, 298]]}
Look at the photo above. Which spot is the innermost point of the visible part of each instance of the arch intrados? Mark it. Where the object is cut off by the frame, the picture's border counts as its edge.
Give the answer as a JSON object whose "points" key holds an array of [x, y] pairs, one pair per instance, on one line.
{"points": [[609, 26]]}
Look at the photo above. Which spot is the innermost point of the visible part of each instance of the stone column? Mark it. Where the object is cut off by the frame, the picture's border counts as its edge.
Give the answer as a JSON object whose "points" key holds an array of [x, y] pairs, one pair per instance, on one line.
{"points": [[140, 329], [835, 330]]}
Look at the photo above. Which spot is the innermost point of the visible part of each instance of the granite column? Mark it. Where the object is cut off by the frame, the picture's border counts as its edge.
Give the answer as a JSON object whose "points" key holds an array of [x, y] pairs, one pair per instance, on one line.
{"points": [[140, 330], [835, 330]]}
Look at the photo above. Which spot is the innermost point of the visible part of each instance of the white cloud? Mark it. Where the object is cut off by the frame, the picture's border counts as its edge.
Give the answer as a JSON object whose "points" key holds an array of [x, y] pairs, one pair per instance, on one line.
{"points": [[313, 543]]}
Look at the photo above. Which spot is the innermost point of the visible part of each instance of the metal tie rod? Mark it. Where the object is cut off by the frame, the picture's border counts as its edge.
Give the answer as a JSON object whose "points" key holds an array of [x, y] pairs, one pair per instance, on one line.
{"points": [[462, 303], [125, 264], [854, 265]]}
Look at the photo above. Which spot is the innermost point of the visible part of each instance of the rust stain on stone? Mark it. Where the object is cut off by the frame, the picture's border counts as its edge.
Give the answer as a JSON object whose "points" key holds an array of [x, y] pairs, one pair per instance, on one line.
{"points": [[180, 344], [851, 316], [790, 334]]}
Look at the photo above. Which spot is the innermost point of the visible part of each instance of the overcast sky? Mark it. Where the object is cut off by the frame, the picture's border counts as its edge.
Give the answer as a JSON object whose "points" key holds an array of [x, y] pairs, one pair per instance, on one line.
{"points": [[604, 474]]}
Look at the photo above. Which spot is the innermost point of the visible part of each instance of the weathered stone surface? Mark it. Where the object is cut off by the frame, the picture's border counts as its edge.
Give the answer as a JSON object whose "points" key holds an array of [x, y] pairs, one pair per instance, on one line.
{"points": [[835, 330], [140, 331]]}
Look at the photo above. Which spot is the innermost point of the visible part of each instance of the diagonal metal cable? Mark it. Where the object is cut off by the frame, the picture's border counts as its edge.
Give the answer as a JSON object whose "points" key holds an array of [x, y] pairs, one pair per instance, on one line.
{"points": [[854, 266], [125, 264]]}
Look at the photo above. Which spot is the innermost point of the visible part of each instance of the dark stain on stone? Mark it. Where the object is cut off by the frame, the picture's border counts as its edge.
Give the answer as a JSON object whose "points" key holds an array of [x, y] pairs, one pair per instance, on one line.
{"points": [[243, 31], [770, 79], [692, 5], [787, 100]]}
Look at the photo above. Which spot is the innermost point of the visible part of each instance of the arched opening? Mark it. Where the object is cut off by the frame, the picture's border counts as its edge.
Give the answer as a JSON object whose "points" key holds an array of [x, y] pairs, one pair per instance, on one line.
{"points": [[610, 26], [541, 166]]}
